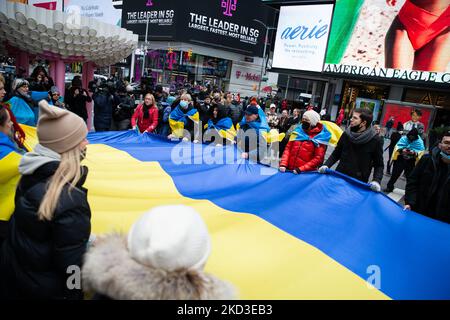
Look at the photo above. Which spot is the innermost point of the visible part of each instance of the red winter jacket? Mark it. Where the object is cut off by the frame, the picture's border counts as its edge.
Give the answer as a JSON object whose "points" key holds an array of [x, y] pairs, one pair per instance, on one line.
{"points": [[149, 123], [304, 155]]}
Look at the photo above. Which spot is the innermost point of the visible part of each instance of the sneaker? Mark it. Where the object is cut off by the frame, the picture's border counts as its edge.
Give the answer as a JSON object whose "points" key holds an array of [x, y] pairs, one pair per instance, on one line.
{"points": [[388, 190]]}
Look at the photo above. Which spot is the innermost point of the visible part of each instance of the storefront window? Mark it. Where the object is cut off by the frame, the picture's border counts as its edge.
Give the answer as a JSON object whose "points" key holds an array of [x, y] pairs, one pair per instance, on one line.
{"points": [[439, 99], [360, 95], [179, 67]]}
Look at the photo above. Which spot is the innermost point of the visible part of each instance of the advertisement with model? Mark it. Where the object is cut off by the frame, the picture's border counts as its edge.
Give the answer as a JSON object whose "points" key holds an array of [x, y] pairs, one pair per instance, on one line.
{"points": [[393, 39]]}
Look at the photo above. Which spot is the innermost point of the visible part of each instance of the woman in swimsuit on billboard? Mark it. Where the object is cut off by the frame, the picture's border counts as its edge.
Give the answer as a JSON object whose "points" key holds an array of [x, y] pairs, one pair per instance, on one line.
{"points": [[419, 37]]}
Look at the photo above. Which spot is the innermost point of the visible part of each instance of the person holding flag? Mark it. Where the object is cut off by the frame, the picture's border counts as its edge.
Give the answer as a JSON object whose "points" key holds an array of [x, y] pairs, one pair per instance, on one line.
{"points": [[252, 131], [407, 152], [307, 145], [21, 104], [220, 126], [184, 119]]}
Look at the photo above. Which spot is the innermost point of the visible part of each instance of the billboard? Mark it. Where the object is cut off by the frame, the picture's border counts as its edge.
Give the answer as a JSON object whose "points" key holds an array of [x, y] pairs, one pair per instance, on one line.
{"points": [[102, 10], [402, 113], [226, 24], [393, 39], [302, 36], [160, 15], [221, 24]]}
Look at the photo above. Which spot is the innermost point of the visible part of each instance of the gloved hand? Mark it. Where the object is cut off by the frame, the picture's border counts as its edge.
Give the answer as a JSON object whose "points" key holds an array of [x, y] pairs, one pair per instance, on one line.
{"points": [[296, 171], [375, 186], [323, 169], [282, 169]]}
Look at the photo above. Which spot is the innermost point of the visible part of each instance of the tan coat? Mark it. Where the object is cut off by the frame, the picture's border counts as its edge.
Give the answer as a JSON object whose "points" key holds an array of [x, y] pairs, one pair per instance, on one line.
{"points": [[110, 271]]}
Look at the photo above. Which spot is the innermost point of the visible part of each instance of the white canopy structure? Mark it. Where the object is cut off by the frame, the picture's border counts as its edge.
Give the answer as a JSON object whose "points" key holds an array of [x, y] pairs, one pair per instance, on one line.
{"points": [[57, 35]]}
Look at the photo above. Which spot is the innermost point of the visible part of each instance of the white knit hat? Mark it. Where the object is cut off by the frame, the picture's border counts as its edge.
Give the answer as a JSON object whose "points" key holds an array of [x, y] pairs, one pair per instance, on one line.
{"points": [[19, 82], [312, 116], [170, 238]]}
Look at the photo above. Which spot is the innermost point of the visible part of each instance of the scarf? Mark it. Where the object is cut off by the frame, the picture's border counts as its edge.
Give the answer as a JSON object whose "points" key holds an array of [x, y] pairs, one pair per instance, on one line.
{"points": [[361, 137]]}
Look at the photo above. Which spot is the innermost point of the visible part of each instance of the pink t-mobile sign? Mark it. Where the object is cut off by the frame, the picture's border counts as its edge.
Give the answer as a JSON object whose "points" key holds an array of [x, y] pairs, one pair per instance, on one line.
{"points": [[229, 6]]}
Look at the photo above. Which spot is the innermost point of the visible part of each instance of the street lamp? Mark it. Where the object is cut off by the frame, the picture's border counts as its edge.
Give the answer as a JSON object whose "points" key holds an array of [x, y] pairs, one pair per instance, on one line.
{"points": [[145, 47], [264, 52]]}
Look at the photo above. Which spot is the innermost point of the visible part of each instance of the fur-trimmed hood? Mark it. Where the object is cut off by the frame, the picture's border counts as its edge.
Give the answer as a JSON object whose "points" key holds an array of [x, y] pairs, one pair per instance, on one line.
{"points": [[109, 270]]}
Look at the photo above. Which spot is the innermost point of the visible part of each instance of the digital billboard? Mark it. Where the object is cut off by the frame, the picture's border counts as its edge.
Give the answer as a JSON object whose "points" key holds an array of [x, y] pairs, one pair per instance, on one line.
{"points": [[302, 35], [394, 39], [222, 24], [102, 10]]}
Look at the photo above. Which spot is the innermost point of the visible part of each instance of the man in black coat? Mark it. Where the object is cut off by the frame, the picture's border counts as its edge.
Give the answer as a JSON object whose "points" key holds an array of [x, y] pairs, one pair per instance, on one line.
{"points": [[428, 187], [359, 150]]}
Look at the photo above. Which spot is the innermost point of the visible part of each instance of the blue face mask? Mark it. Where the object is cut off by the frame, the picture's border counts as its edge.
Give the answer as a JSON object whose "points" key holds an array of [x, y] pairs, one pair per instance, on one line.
{"points": [[184, 104], [445, 156]]}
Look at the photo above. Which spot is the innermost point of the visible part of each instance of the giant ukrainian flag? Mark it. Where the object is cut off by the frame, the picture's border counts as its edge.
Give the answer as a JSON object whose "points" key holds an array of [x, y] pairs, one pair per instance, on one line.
{"points": [[274, 236]]}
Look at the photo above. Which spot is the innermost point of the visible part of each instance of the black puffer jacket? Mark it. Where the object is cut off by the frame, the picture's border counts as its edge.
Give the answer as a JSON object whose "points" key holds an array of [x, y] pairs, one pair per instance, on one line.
{"points": [[357, 160], [35, 256], [428, 187], [77, 104]]}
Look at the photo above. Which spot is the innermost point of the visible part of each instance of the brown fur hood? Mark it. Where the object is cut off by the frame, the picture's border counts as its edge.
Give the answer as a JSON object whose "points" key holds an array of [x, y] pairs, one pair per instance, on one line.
{"points": [[109, 270]]}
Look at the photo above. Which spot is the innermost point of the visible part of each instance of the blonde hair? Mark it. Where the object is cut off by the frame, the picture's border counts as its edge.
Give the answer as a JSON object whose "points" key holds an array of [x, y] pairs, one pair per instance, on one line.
{"points": [[68, 172], [152, 97], [186, 96], [2, 80]]}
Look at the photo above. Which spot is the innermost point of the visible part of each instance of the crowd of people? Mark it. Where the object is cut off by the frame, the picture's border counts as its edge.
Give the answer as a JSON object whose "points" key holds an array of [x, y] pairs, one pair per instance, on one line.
{"points": [[49, 228]]}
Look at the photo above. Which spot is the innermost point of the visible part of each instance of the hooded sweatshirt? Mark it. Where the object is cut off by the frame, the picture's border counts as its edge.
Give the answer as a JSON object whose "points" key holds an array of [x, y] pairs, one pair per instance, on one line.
{"points": [[41, 155]]}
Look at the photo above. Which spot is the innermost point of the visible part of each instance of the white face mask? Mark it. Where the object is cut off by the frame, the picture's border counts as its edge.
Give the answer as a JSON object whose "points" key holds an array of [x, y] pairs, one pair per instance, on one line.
{"points": [[184, 104]]}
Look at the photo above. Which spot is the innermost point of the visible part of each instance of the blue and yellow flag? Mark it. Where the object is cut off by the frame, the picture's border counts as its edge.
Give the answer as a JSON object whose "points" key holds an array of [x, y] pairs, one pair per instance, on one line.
{"points": [[272, 244], [260, 126], [22, 111], [416, 146], [323, 137], [9, 176], [334, 129], [224, 127], [178, 120], [312, 242]]}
